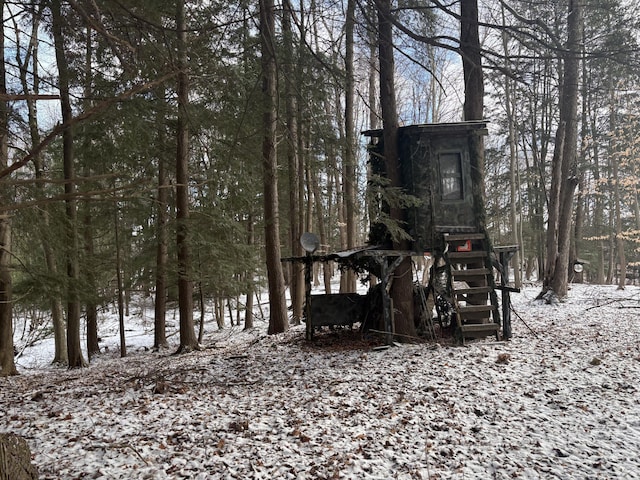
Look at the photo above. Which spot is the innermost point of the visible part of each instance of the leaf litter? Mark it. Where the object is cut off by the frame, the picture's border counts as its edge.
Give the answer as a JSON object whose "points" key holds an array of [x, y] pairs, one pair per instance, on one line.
{"points": [[559, 400]]}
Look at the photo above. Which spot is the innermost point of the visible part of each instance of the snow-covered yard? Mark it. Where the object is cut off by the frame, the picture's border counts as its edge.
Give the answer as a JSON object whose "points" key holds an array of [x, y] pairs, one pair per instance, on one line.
{"points": [[560, 400]]}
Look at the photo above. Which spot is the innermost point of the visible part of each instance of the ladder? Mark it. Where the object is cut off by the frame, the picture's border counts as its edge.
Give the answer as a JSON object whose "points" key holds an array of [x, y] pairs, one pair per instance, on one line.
{"points": [[472, 289]]}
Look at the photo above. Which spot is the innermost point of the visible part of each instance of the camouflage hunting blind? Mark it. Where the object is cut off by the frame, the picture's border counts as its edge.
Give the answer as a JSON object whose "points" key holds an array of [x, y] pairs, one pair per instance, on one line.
{"points": [[441, 187], [443, 203], [443, 194]]}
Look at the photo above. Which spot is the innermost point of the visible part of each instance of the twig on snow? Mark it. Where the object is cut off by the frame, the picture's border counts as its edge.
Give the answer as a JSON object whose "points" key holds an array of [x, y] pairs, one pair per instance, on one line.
{"points": [[525, 323]]}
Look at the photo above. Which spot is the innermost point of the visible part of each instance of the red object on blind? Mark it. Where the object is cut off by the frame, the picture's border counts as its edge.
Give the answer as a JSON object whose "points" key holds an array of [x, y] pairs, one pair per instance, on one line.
{"points": [[466, 247]]}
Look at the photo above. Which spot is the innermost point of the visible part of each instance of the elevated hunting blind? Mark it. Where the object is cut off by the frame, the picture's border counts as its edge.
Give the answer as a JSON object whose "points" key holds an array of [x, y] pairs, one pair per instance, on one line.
{"points": [[442, 187], [442, 197], [443, 193]]}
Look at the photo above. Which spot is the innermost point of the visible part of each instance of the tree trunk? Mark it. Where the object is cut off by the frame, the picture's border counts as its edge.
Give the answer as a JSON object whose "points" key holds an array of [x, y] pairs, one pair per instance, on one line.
{"points": [[7, 364], [293, 156], [374, 117], [614, 156], [57, 316], [322, 232], [202, 312], [598, 209], [74, 348], [89, 251], [473, 109], [622, 261], [513, 163], [558, 281], [349, 179], [248, 309], [402, 286], [119, 283], [188, 339], [278, 310], [162, 255]]}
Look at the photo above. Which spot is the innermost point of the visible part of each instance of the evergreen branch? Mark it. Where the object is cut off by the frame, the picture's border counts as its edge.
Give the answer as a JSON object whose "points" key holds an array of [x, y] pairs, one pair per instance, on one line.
{"points": [[99, 108]]}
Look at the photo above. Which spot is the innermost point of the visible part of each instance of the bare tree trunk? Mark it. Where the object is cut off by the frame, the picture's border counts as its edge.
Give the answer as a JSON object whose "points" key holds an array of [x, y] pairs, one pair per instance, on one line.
{"points": [[568, 118], [513, 163], [473, 108], [74, 349], [91, 308], [202, 312], [622, 260], [402, 286], [374, 116], [293, 156], [188, 339], [335, 180], [278, 310], [248, 312], [349, 179], [614, 155], [31, 56], [89, 251], [162, 255], [7, 363], [119, 283], [611, 244], [219, 311], [322, 232]]}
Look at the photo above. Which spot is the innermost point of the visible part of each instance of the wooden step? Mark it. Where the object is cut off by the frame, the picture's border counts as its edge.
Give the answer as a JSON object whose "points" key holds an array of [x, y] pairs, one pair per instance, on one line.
{"points": [[463, 237], [480, 330], [467, 257], [469, 272], [476, 308], [472, 290], [473, 314]]}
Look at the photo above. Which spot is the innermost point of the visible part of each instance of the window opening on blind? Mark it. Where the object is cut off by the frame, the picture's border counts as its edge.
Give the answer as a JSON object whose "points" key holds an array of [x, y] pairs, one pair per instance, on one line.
{"points": [[451, 176]]}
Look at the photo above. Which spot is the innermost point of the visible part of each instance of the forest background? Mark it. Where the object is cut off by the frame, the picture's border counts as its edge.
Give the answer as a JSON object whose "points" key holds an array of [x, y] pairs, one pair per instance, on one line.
{"points": [[183, 147]]}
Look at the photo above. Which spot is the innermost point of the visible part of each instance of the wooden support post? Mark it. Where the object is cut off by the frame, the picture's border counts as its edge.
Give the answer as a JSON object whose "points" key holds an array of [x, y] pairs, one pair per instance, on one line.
{"points": [[386, 270], [505, 257], [308, 266]]}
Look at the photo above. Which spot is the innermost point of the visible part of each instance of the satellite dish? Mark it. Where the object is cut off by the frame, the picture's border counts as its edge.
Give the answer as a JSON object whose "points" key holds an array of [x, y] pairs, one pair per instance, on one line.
{"points": [[577, 267], [310, 242]]}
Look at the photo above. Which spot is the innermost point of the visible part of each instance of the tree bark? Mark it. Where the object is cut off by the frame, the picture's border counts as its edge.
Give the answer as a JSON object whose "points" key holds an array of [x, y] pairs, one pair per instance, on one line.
{"points": [[188, 339], [614, 156], [559, 269], [119, 283], [248, 309], [87, 220], [473, 108], [622, 260], [293, 159], [513, 163], [278, 310], [7, 363], [162, 255], [74, 349], [349, 179], [402, 286], [57, 316]]}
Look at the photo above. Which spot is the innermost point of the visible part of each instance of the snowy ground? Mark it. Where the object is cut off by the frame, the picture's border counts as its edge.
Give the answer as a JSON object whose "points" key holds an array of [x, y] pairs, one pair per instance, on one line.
{"points": [[560, 400]]}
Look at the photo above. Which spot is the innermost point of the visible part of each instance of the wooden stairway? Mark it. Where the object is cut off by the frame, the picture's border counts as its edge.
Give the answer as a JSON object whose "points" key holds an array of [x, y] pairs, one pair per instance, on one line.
{"points": [[471, 285]]}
